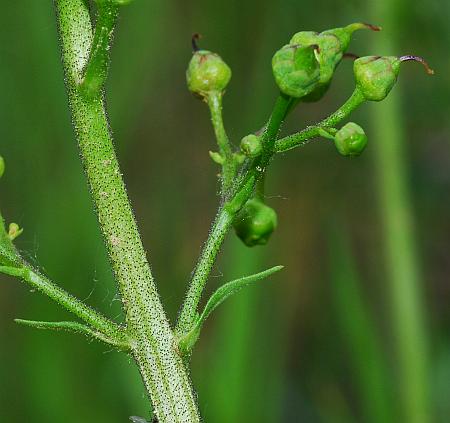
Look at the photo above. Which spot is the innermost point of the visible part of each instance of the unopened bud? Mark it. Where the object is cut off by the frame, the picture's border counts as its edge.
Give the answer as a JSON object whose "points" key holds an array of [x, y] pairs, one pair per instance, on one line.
{"points": [[296, 70], [332, 44], [14, 231], [255, 223], [350, 140], [207, 72], [376, 75], [251, 145]]}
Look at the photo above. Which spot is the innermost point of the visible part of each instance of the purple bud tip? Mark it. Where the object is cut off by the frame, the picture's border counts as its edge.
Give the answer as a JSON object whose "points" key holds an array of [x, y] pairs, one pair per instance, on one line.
{"points": [[352, 56], [408, 57], [194, 39], [375, 28]]}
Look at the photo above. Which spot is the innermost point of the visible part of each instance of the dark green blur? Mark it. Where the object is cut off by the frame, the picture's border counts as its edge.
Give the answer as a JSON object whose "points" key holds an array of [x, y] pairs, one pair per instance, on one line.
{"points": [[318, 341]]}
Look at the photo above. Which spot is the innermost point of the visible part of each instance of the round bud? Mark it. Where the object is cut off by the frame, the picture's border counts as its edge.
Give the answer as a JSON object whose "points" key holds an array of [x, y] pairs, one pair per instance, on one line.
{"points": [[14, 231], [2, 166], [251, 145], [375, 76], [207, 72], [350, 140], [296, 70], [255, 223]]}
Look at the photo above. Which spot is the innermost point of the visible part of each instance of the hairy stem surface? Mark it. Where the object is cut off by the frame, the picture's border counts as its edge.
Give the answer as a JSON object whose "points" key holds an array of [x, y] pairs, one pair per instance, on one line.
{"points": [[151, 338]]}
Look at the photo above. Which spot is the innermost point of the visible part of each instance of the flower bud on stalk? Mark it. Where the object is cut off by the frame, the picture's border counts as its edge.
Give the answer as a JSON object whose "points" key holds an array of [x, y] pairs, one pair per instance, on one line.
{"points": [[376, 75], [255, 222], [350, 140], [207, 73], [251, 145]]}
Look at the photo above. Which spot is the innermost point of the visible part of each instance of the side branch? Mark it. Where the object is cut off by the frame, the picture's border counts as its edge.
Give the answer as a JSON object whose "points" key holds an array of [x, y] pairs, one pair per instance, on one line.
{"points": [[303, 137], [243, 186], [97, 68]]}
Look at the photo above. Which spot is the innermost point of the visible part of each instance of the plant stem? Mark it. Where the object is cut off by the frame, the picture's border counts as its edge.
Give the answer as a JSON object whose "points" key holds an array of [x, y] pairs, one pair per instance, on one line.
{"points": [[244, 187], [97, 67], [303, 137], [152, 341], [219, 229]]}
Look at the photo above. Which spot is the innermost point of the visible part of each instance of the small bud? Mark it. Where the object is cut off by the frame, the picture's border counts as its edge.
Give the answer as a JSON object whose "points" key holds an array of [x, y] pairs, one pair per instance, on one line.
{"points": [[14, 231], [255, 223], [251, 146], [332, 46], [207, 72], [2, 166], [296, 69], [376, 75], [216, 157], [350, 140]]}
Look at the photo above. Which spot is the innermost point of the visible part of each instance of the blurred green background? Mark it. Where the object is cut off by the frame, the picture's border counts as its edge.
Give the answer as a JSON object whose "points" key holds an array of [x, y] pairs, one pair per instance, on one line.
{"points": [[356, 328]]}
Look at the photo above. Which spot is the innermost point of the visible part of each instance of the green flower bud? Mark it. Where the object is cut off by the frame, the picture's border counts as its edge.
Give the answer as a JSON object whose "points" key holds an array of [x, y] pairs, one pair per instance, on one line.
{"points": [[207, 73], [2, 166], [14, 231], [332, 45], [376, 75], [8, 254], [255, 223], [296, 69], [251, 145], [350, 140]]}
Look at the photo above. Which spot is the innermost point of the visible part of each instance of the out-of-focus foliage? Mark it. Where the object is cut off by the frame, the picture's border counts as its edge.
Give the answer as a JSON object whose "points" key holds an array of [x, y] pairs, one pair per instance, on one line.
{"points": [[279, 352]]}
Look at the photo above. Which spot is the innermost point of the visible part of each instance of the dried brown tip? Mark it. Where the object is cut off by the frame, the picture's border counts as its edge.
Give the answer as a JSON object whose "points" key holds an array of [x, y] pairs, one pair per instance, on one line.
{"points": [[194, 39], [352, 56], [315, 47], [408, 57], [361, 25], [372, 27]]}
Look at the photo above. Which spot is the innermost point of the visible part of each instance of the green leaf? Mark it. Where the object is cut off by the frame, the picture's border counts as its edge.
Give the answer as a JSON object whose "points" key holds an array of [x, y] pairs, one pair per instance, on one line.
{"points": [[187, 341], [75, 327]]}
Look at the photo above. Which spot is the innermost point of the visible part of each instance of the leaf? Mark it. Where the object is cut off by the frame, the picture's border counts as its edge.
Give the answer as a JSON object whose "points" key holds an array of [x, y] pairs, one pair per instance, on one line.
{"points": [[74, 327], [187, 341]]}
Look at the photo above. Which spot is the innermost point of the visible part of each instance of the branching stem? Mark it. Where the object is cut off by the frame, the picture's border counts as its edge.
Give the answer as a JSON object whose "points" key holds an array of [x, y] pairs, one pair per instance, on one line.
{"points": [[303, 137], [243, 187]]}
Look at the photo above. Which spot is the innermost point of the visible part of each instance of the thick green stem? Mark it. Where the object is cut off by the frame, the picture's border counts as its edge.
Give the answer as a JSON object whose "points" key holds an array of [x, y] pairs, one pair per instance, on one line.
{"points": [[151, 338], [303, 137]]}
